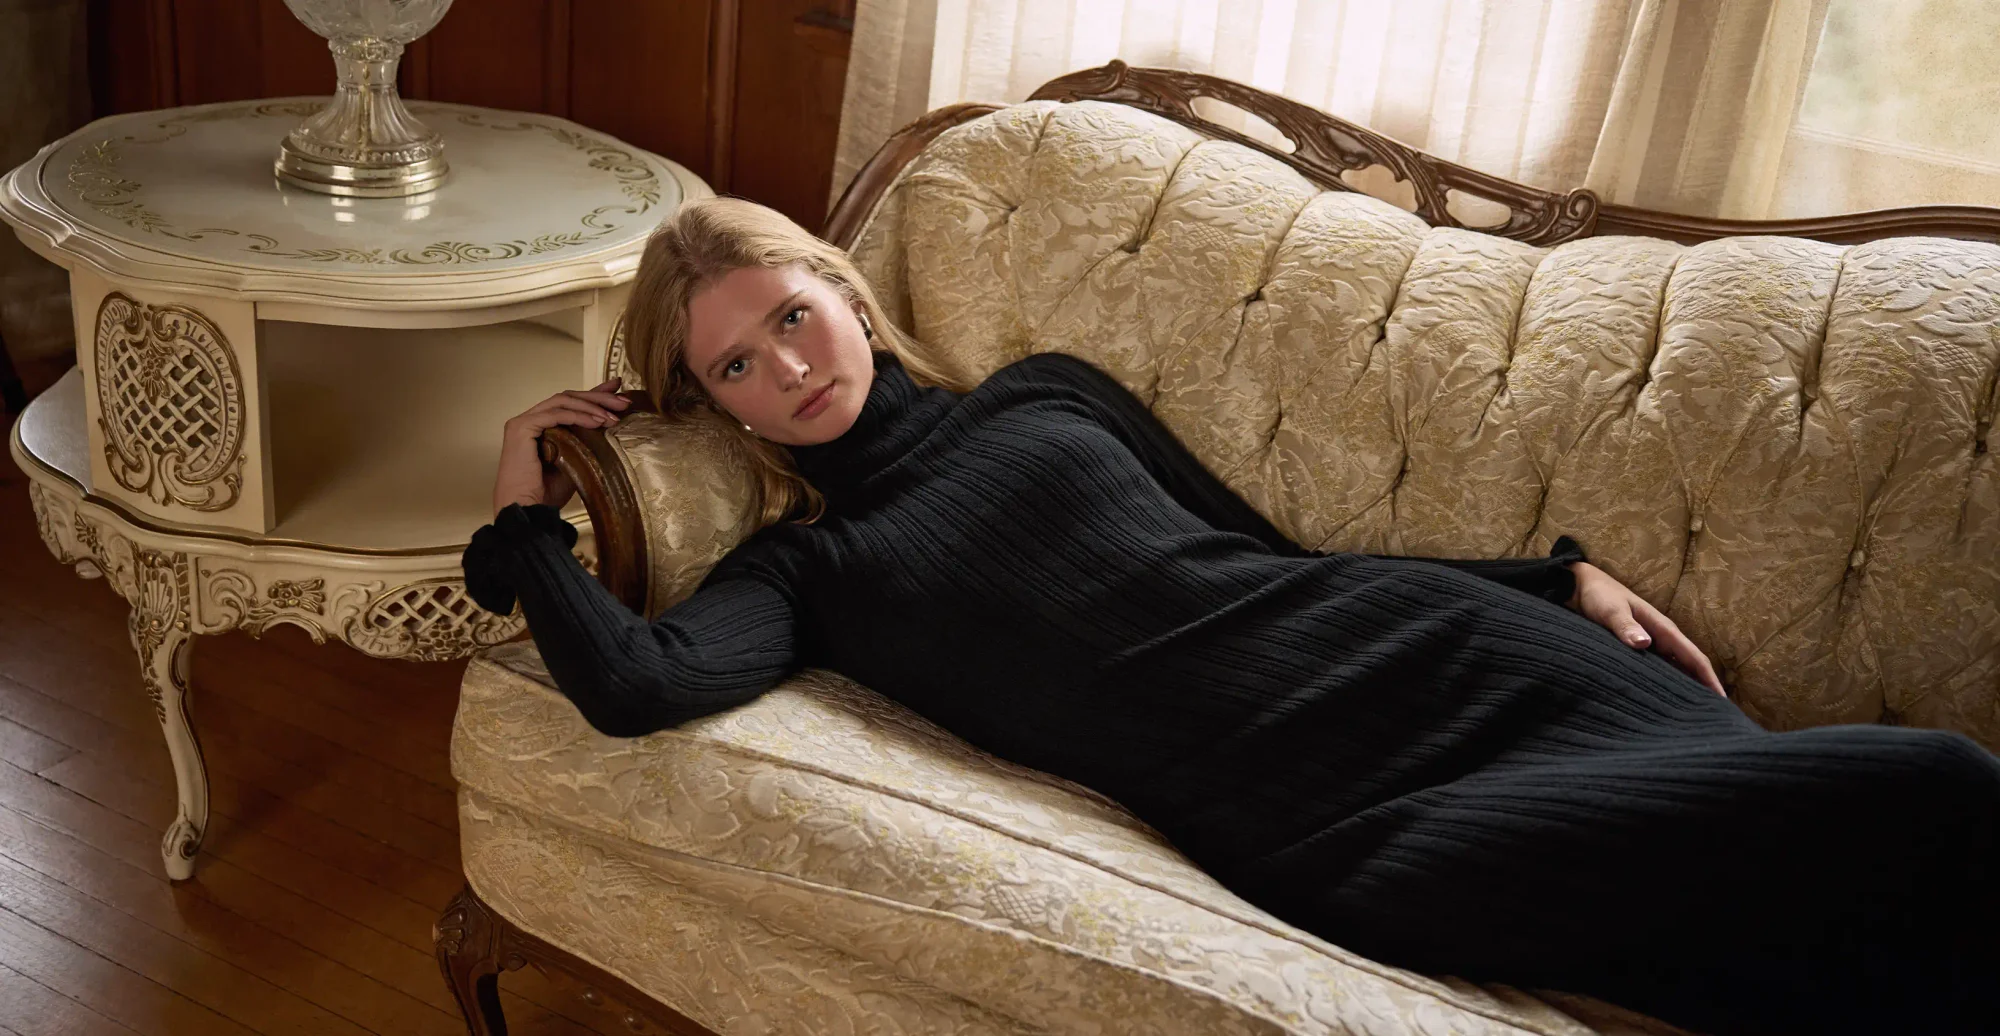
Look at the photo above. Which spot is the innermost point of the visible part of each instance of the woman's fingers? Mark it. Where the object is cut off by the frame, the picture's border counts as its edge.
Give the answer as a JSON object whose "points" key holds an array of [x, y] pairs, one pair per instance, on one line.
{"points": [[599, 397], [565, 412], [1623, 625], [1676, 646]]}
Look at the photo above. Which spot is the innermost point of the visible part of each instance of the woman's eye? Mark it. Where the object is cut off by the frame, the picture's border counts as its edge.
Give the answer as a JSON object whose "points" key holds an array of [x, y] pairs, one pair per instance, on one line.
{"points": [[792, 319], [732, 365]]}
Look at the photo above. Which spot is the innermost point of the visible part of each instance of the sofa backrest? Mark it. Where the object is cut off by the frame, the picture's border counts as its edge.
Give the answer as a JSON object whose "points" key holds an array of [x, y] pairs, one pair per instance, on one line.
{"points": [[1784, 444]]}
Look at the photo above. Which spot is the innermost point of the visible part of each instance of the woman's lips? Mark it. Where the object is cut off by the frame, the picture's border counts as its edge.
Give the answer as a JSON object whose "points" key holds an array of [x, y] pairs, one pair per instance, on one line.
{"points": [[815, 402]]}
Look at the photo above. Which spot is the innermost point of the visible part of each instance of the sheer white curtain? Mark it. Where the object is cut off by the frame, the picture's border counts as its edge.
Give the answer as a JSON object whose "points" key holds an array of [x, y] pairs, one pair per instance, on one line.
{"points": [[1687, 105]]}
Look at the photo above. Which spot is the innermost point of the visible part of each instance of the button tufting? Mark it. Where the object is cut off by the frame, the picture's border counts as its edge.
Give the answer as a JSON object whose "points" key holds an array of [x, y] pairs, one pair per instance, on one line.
{"points": [[1695, 525], [1857, 559]]}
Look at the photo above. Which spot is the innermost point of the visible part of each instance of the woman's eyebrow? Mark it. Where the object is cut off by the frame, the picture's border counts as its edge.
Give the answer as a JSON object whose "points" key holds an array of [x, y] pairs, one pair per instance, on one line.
{"points": [[776, 311], [783, 307]]}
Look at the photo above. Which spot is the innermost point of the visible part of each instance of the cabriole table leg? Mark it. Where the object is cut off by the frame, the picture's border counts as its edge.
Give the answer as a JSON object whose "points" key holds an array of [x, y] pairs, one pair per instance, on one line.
{"points": [[160, 636]]}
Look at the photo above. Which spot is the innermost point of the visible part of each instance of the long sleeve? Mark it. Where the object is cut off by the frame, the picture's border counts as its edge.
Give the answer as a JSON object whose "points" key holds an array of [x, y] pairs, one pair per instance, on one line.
{"points": [[730, 641], [1194, 487], [1548, 578]]}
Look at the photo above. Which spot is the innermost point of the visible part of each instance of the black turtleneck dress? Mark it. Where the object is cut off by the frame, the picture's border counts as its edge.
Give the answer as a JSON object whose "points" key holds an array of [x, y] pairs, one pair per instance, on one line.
{"points": [[1431, 762]]}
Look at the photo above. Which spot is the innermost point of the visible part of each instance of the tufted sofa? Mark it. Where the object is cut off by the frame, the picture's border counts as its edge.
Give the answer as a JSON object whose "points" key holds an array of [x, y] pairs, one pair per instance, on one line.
{"points": [[1782, 442]]}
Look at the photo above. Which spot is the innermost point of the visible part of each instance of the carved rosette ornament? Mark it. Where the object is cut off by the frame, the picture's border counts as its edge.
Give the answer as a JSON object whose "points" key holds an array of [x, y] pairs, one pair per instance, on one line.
{"points": [[231, 600], [169, 404], [431, 620]]}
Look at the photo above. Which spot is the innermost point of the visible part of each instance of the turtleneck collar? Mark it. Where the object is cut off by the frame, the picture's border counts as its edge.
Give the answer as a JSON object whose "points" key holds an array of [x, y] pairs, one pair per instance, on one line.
{"points": [[897, 414]]}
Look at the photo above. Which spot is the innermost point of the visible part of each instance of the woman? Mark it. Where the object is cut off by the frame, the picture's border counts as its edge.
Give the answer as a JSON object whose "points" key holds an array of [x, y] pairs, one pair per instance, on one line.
{"points": [[1452, 766]]}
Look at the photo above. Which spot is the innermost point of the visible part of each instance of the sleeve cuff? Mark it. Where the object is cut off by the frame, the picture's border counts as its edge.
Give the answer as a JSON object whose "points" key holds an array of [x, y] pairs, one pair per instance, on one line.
{"points": [[488, 560], [519, 522], [1567, 550], [1562, 554]]}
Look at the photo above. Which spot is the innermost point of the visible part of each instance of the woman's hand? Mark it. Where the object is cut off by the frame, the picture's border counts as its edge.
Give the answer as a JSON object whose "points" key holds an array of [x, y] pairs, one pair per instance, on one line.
{"points": [[522, 479], [1613, 605]]}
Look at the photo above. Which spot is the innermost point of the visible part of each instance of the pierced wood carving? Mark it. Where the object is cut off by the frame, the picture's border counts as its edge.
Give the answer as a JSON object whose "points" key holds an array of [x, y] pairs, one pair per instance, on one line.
{"points": [[430, 620], [1328, 146], [169, 403]]}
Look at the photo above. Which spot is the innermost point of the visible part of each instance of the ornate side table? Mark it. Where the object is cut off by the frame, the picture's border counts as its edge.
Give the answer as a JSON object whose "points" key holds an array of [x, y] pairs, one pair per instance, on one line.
{"points": [[286, 405]]}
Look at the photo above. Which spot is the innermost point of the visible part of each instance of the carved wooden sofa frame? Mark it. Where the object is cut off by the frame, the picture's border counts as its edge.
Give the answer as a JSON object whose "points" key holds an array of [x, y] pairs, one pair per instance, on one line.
{"points": [[474, 944]]}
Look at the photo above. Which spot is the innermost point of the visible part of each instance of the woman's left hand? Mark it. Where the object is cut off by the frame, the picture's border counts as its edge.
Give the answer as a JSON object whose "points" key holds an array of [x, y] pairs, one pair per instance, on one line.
{"points": [[1634, 621]]}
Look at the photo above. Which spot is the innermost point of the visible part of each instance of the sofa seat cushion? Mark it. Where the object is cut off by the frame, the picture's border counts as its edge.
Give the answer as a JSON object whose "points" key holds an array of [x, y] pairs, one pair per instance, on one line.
{"points": [[824, 814]]}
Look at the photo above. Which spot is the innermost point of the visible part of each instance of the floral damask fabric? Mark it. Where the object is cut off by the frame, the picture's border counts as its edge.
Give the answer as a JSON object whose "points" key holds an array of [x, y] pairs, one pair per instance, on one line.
{"points": [[824, 860], [1784, 444]]}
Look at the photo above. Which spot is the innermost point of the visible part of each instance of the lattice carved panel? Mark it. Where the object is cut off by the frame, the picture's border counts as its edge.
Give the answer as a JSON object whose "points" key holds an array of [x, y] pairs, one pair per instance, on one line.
{"points": [[170, 404], [431, 620]]}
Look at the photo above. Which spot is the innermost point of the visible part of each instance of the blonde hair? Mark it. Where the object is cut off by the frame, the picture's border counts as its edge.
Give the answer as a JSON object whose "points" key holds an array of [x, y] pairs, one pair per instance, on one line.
{"points": [[698, 244]]}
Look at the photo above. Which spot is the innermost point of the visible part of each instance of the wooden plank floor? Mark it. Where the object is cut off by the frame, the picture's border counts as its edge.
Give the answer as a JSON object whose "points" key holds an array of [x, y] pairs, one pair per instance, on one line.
{"points": [[332, 847]]}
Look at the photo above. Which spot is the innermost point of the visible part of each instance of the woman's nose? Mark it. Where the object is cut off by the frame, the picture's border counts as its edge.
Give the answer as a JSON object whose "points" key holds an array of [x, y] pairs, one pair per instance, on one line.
{"points": [[793, 369]]}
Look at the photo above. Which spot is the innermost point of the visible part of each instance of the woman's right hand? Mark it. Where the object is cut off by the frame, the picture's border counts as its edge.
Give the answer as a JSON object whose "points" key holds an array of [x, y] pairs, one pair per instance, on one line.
{"points": [[1633, 619], [522, 478]]}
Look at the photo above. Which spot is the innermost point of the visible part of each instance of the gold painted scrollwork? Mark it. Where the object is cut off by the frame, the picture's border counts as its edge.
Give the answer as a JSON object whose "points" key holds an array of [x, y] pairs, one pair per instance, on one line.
{"points": [[47, 523], [618, 363], [94, 177], [431, 620], [231, 600], [170, 404]]}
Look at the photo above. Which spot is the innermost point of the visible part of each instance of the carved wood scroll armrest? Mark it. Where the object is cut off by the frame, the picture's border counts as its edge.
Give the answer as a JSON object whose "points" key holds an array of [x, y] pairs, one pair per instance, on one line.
{"points": [[587, 457]]}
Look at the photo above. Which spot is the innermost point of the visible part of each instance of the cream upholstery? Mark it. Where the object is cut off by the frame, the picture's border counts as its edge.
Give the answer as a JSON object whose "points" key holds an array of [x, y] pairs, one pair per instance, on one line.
{"points": [[1781, 442]]}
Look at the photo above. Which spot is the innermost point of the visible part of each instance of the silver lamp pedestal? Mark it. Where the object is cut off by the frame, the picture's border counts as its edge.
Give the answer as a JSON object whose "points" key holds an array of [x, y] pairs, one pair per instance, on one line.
{"points": [[365, 144]]}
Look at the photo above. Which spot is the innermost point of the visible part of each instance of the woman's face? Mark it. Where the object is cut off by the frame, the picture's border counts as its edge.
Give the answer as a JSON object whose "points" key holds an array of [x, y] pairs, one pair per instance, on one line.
{"points": [[765, 341]]}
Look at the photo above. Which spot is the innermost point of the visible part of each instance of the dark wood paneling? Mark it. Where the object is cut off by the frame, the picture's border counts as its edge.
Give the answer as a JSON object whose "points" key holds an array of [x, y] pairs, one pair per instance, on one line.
{"points": [[744, 92], [227, 50], [491, 52], [639, 71], [791, 70], [292, 59], [122, 41]]}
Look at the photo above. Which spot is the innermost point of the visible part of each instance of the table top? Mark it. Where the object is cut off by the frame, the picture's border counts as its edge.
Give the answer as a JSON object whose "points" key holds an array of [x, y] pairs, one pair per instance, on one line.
{"points": [[186, 197]]}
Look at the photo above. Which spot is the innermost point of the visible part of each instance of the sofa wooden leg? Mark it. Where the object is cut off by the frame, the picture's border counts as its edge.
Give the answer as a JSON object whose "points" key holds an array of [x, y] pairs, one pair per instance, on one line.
{"points": [[467, 937], [475, 945]]}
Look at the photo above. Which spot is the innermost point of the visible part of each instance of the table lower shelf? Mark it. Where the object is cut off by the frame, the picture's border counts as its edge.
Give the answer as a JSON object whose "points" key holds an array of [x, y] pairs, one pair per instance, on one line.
{"points": [[404, 497]]}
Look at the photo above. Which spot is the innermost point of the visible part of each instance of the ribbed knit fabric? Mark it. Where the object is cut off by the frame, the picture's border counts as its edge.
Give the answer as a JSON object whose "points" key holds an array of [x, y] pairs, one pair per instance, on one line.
{"points": [[1429, 761]]}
